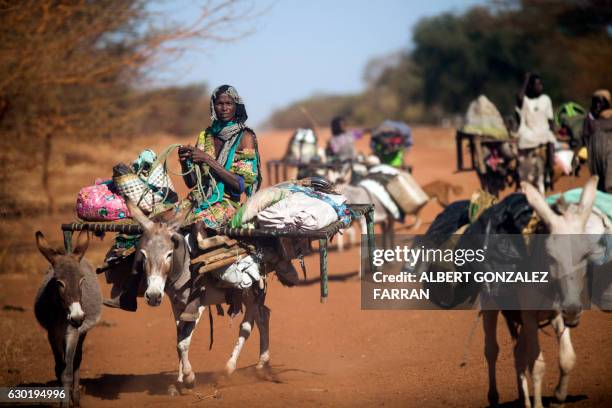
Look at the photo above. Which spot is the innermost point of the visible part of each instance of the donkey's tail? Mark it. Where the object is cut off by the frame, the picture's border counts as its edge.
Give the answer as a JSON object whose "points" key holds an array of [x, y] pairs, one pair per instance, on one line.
{"points": [[212, 328]]}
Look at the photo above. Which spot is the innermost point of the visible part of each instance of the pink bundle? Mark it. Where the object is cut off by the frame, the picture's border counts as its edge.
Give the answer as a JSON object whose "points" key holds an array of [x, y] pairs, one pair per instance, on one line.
{"points": [[99, 203]]}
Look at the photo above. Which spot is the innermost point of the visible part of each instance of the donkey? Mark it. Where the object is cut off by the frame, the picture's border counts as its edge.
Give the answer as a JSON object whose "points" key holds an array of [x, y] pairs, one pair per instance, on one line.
{"points": [[166, 263], [567, 267], [359, 195], [68, 305]]}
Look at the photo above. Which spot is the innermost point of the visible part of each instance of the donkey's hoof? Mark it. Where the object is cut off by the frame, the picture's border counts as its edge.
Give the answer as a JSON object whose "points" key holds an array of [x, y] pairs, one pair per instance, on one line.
{"points": [[559, 399], [493, 398], [230, 367], [264, 360], [190, 380], [173, 391]]}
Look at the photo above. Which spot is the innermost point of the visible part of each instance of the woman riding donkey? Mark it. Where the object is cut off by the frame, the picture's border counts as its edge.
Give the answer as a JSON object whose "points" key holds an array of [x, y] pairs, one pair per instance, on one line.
{"points": [[222, 166]]}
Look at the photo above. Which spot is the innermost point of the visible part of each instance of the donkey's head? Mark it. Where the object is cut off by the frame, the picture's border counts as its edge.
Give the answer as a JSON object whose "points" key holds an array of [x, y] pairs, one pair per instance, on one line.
{"points": [[67, 274], [155, 251], [339, 175], [566, 251]]}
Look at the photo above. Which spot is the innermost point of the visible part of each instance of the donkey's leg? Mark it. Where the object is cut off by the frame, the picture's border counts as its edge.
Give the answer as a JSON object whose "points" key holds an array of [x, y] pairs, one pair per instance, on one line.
{"points": [[535, 358], [489, 323], [567, 357], [184, 331], [56, 340], [537, 373], [520, 363], [71, 341], [263, 325], [78, 357], [417, 221], [245, 330]]}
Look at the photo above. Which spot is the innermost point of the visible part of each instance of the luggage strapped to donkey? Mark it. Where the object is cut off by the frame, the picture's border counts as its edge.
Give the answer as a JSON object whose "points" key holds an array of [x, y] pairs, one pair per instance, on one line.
{"points": [[323, 236]]}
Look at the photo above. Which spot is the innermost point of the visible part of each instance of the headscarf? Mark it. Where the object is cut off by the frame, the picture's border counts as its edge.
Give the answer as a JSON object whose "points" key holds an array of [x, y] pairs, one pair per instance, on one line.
{"points": [[603, 93]]}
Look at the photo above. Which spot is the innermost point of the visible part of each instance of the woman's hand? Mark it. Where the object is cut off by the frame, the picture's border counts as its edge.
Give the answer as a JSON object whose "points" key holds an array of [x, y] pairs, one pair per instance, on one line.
{"points": [[185, 152], [198, 156]]}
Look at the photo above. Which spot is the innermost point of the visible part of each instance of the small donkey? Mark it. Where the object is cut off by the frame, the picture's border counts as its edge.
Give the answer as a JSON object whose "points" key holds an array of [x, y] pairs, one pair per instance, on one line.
{"points": [[68, 304]]}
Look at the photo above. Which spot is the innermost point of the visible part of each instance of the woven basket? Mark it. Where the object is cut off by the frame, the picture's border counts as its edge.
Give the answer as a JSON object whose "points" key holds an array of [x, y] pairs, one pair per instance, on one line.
{"points": [[131, 187]]}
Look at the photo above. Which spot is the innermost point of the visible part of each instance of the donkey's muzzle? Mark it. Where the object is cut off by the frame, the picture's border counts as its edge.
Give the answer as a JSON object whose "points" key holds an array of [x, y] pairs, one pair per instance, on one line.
{"points": [[571, 316], [75, 314], [153, 298], [155, 290]]}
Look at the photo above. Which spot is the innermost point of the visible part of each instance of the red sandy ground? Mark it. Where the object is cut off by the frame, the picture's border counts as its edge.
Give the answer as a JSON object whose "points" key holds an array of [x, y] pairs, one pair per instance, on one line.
{"points": [[330, 354]]}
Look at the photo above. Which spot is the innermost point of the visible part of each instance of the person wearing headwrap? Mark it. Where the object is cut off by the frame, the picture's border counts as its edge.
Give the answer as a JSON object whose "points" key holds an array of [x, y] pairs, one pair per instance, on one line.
{"points": [[227, 159], [597, 137], [223, 165]]}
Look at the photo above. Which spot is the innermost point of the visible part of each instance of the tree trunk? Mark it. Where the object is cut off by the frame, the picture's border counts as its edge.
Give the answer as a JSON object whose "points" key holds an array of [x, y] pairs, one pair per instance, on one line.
{"points": [[47, 150]]}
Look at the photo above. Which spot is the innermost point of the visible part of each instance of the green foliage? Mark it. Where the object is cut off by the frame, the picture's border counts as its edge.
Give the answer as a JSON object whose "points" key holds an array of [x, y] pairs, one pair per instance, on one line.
{"points": [[486, 50]]}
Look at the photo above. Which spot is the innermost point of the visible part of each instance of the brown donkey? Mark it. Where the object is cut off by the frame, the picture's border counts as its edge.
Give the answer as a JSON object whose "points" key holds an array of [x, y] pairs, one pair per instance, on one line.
{"points": [[68, 304]]}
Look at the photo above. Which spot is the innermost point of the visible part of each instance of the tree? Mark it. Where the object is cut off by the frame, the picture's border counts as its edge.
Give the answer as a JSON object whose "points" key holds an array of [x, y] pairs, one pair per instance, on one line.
{"points": [[489, 49], [68, 69]]}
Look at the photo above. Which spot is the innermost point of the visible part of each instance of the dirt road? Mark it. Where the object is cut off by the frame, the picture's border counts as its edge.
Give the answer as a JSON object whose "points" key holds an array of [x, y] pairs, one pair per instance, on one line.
{"points": [[330, 354]]}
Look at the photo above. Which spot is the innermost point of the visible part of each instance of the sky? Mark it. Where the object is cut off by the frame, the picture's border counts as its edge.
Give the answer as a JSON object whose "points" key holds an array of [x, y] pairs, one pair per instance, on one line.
{"points": [[299, 48]]}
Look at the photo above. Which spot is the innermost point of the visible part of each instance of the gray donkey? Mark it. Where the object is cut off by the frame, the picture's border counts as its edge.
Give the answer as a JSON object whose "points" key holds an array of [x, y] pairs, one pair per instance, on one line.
{"points": [[68, 304], [567, 262], [164, 256]]}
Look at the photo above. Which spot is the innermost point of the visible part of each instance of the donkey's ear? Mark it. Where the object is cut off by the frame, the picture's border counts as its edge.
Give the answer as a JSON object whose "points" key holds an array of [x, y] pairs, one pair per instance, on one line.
{"points": [[82, 244], [587, 198], [539, 205], [45, 249], [139, 216], [179, 217]]}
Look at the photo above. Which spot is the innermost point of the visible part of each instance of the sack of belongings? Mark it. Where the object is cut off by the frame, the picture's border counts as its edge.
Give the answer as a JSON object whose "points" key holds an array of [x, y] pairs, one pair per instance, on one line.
{"points": [[442, 234], [569, 119], [100, 203], [389, 140], [406, 192], [483, 118], [307, 205], [299, 211], [407, 196]]}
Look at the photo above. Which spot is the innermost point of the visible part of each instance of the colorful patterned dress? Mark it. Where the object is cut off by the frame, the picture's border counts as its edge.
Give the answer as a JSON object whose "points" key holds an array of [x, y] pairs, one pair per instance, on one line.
{"points": [[221, 206], [218, 208]]}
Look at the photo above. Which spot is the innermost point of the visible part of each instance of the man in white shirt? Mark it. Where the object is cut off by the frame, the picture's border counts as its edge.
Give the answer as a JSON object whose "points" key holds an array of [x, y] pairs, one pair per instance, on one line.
{"points": [[535, 137], [536, 114]]}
